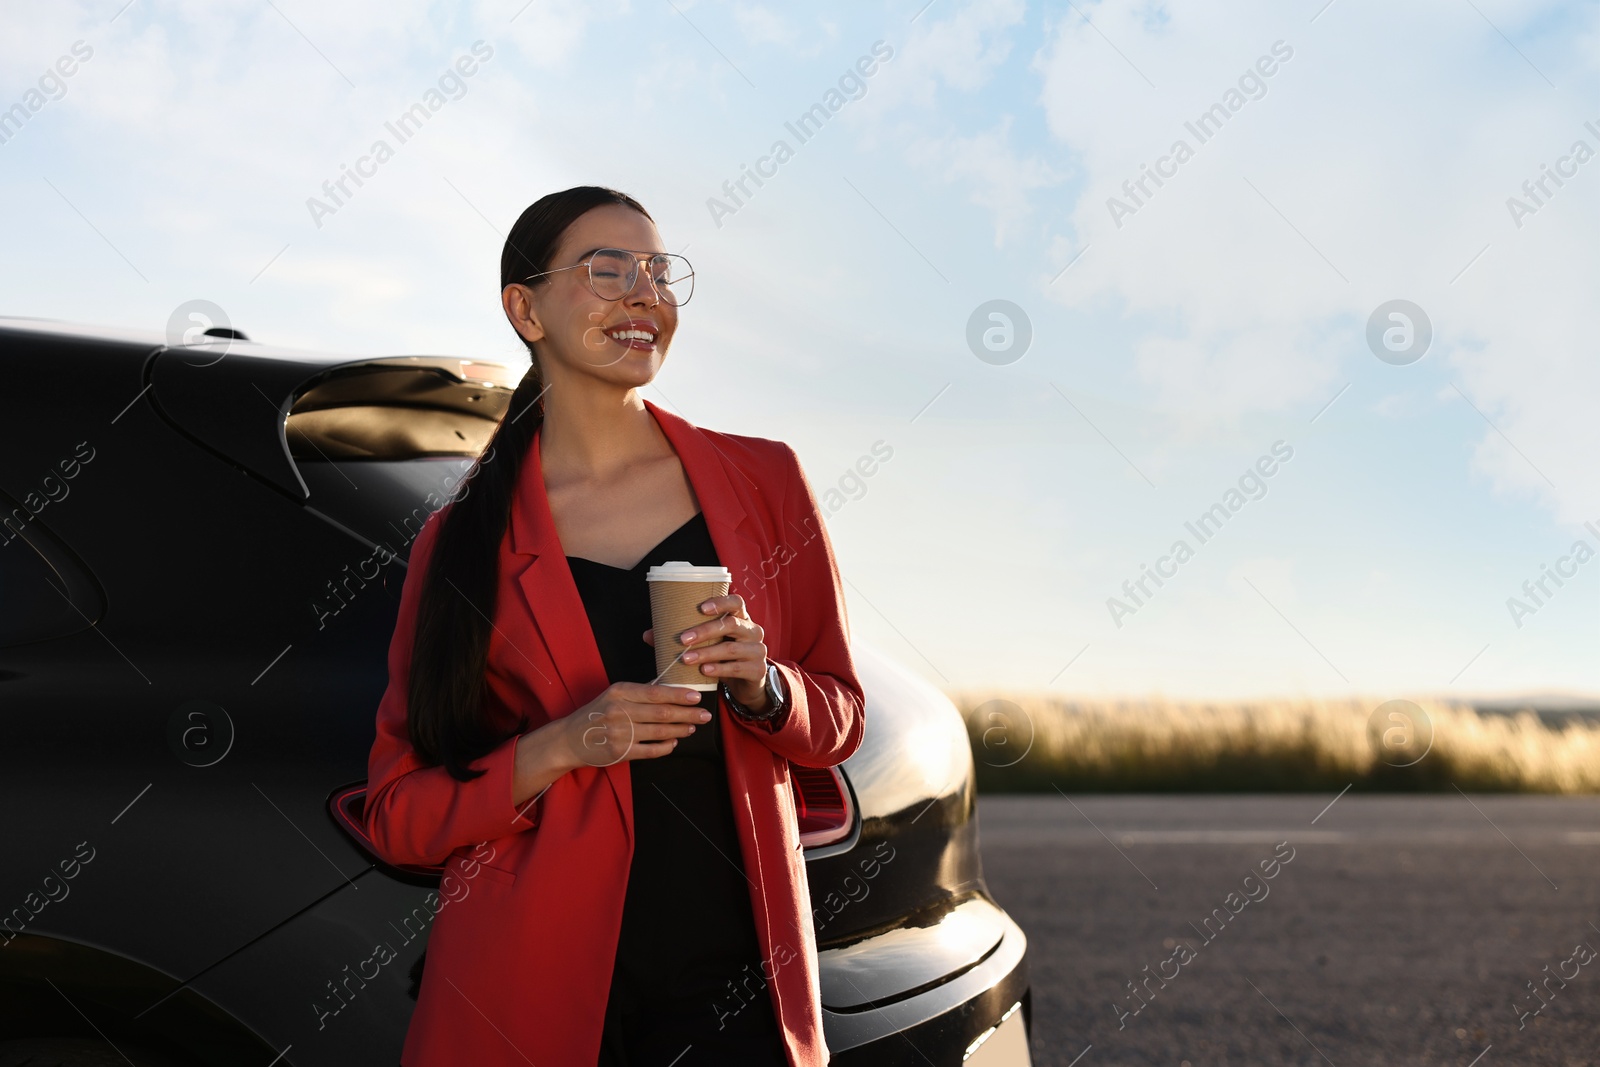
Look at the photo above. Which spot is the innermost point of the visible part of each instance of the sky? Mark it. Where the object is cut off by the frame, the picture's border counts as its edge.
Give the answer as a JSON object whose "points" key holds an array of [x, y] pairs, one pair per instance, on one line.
{"points": [[1064, 278]]}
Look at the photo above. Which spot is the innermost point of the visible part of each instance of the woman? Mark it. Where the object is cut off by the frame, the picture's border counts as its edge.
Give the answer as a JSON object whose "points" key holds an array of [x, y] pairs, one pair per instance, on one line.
{"points": [[624, 881]]}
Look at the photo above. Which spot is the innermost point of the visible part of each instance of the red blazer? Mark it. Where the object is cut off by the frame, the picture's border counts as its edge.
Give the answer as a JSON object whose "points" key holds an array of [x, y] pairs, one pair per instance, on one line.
{"points": [[521, 952]]}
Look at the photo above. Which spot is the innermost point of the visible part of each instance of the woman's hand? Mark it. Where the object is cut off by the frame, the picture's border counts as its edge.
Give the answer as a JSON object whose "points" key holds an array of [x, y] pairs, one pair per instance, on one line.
{"points": [[628, 721], [739, 658]]}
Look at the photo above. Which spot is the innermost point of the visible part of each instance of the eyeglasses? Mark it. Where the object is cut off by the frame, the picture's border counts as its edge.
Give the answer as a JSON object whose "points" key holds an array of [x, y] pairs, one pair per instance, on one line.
{"points": [[612, 273]]}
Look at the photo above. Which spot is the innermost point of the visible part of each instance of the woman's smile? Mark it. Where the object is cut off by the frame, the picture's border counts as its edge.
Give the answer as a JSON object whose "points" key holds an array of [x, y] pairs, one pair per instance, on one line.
{"points": [[635, 333]]}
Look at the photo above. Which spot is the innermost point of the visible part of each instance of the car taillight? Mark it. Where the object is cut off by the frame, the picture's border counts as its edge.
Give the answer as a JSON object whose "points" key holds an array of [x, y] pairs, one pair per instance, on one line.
{"points": [[346, 806], [822, 804]]}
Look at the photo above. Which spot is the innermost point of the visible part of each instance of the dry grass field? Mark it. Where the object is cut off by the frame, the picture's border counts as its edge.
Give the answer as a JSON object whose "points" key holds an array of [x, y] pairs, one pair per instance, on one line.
{"points": [[1030, 742]]}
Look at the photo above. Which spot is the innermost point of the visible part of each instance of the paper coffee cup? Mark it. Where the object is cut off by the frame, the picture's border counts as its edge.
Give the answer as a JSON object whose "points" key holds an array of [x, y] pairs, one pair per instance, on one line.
{"points": [[677, 590]]}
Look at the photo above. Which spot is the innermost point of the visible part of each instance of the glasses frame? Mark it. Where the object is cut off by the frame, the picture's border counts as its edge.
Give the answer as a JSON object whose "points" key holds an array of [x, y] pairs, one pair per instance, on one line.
{"points": [[588, 262]]}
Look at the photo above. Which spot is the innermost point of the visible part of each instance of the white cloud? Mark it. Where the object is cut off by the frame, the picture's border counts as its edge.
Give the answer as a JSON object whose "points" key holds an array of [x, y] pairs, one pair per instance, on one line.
{"points": [[961, 52], [998, 177], [1368, 169], [762, 25], [551, 33]]}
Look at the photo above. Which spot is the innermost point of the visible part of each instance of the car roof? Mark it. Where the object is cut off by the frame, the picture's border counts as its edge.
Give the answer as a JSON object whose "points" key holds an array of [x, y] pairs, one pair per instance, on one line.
{"points": [[234, 395], [156, 339], [78, 330]]}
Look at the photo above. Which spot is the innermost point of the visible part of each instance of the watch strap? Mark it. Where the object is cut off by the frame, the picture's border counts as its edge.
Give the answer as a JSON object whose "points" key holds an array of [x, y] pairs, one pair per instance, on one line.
{"points": [[777, 699]]}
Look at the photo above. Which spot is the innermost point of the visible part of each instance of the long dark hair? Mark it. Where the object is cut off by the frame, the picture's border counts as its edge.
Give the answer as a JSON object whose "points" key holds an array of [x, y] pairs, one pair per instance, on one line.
{"points": [[445, 712]]}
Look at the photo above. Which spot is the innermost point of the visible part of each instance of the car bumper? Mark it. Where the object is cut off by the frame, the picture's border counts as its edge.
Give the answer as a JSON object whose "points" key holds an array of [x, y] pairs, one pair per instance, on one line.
{"points": [[969, 1015]]}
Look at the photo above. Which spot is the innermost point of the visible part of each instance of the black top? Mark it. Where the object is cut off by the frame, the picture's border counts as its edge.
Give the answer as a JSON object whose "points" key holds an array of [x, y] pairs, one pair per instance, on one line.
{"points": [[688, 965]]}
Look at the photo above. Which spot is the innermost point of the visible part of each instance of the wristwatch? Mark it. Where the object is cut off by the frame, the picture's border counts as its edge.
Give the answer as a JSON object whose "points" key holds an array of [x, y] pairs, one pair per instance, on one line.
{"points": [[777, 698]]}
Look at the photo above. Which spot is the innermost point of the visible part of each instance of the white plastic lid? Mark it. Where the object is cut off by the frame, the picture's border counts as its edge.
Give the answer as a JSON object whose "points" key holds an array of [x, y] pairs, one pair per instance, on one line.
{"points": [[682, 571]]}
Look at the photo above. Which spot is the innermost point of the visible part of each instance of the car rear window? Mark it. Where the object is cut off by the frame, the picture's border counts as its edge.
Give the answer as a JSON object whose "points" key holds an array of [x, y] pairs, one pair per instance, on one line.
{"points": [[382, 446]]}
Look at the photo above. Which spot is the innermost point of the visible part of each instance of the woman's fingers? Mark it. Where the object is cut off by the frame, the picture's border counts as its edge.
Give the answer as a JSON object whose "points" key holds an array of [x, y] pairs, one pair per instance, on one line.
{"points": [[648, 738], [731, 604], [726, 612], [671, 707], [732, 659], [734, 626], [654, 694], [635, 720], [605, 745], [647, 732], [741, 651], [659, 716], [741, 647]]}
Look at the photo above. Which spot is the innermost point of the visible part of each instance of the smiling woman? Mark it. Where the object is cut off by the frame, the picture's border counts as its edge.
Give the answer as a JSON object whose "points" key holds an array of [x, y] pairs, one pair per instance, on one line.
{"points": [[523, 707]]}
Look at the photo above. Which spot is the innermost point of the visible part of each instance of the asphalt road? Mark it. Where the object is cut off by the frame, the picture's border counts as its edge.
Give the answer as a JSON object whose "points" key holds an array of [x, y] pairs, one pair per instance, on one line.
{"points": [[1403, 931]]}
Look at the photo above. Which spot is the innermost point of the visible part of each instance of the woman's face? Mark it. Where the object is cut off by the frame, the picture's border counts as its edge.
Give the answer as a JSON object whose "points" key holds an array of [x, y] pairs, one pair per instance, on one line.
{"points": [[576, 331]]}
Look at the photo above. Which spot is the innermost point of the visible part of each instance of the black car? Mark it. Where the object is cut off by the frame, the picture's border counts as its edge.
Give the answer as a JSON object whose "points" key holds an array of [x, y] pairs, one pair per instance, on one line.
{"points": [[201, 553]]}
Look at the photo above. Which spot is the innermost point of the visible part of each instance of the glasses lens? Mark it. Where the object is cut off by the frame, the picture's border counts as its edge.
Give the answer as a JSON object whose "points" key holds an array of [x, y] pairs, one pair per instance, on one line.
{"points": [[673, 277], [612, 273]]}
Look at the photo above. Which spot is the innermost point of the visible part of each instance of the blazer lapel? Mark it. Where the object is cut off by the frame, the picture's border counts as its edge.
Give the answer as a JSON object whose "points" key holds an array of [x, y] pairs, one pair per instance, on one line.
{"points": [[732, 529], [560, 621], [551, 595]]}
